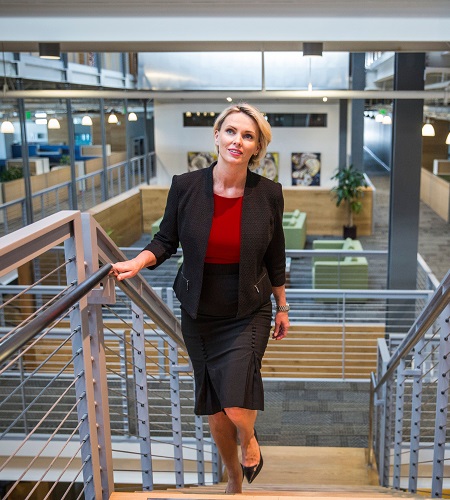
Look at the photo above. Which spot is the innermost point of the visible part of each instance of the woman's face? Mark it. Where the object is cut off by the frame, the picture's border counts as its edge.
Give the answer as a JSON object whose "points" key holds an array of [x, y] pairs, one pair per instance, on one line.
{"points": [[238, 139]]}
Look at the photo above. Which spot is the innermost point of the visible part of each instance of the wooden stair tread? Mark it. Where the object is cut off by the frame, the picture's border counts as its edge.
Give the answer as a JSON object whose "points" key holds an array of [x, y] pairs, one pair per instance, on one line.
{"points": [[292, 472]]}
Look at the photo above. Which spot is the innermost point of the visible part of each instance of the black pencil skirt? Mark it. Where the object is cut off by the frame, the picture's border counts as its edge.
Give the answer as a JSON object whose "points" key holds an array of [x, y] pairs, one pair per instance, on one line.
{"points": [[226, 352]]}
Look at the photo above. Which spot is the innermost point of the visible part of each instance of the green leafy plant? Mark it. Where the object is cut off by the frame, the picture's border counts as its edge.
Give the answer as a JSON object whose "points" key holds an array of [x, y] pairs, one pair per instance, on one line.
{"points": [[11, 174], [64, 160], [349, 190]]}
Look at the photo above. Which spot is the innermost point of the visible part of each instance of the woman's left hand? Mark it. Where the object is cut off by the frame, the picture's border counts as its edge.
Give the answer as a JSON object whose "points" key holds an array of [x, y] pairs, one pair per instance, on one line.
{"points": [[281, 325]]}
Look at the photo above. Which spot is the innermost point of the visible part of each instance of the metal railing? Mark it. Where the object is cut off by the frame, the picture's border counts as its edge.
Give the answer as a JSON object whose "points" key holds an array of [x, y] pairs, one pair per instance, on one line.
{"points": [[409, 431], [334, 332], [91, 187], [96, 389]]}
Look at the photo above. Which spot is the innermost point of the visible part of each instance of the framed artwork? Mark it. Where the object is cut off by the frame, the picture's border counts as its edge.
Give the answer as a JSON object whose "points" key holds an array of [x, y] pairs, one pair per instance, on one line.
{"points": [[268, 166], [199, 160], [305, 169]]}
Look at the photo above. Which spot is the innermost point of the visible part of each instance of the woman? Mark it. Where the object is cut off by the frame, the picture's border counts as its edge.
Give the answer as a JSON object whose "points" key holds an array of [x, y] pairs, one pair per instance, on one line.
{"points": [[228, 221]]}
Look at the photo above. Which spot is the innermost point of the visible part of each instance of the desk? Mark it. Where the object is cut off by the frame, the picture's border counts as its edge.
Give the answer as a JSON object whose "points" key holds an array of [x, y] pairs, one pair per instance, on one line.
{"points": [[37, 165]]}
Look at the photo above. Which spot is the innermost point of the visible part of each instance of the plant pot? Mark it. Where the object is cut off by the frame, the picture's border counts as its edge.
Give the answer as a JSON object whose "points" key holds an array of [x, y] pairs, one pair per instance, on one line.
{"points": [[350, 232]]}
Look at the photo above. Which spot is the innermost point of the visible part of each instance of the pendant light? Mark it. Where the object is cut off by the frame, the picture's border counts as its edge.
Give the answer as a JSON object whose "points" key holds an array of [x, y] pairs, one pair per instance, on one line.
{"points": [[86, 120], [428, 129], [447, 141], [132, 117], [49, 51], [387, 120], [312, 48], [7, 127], [112, 118], [53, 124]]}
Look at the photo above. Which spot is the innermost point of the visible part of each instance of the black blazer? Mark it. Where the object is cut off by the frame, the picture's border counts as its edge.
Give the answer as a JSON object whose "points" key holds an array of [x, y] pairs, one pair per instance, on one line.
{"points": [[187, 221]]}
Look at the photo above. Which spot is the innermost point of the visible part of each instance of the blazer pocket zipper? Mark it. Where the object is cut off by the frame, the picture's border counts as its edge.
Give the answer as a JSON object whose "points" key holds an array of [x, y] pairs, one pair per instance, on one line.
{"points": [[256, 285], [187, 281]]}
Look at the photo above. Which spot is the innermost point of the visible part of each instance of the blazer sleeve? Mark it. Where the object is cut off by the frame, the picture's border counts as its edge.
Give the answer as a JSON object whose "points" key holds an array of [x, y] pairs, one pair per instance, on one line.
{"points": [[275, 256], [165, 242]]}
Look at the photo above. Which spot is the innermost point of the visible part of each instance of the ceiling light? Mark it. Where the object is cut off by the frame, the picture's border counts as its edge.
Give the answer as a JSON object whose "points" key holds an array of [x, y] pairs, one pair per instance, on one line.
{"points": [[428, 129], [229, 99], [40, 114], [53, 123], [7, 127], [40, 121], [312, 49], [132, 117], [112, 118], [387, 120], [447, 141], [49, 51], [86, 120], [379, 118], [325, 99]]}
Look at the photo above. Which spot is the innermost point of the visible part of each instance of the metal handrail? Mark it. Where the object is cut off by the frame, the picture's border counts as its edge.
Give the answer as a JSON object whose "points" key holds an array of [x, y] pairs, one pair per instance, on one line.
{"points": [[426, 318], [45, 319], [139, 290]]}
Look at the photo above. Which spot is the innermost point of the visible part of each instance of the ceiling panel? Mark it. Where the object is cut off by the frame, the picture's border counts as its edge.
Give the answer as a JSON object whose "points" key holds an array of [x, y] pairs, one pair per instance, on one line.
{"points": [[341, 8]]}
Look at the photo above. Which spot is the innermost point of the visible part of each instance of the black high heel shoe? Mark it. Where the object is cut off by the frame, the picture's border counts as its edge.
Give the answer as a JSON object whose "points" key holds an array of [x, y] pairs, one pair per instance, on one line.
{"points": [[251, 472]]}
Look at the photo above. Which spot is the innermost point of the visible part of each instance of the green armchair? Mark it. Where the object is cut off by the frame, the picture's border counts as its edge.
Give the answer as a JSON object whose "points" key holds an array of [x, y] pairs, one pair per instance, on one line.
{"points": [[339, 273], [294, 228]]}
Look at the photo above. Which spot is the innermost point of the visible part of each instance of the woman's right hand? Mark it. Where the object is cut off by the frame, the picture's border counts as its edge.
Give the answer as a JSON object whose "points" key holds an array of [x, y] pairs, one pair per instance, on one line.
{"points": [[129, 268]]}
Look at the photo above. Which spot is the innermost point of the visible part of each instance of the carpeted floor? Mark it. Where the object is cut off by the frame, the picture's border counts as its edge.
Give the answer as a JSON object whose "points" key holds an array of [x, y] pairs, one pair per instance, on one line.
{"points": [[314, 413]]}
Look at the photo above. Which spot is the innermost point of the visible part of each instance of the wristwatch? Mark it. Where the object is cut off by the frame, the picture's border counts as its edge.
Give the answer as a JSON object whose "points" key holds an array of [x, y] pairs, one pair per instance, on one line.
{"points": [[285, 308]]}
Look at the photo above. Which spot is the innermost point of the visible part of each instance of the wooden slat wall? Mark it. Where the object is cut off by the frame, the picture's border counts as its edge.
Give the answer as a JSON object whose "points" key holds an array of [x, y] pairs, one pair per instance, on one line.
{"points": [[323, 217], [310, 351], [315, 350]]}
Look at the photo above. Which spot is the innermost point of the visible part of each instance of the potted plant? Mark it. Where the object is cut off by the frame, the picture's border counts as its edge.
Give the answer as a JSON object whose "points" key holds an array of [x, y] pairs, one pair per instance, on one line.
{"points": [[349, 190]]}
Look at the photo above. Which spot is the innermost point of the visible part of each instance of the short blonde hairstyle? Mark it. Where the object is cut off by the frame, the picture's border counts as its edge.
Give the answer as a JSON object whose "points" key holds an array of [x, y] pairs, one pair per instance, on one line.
{"points": [[265, 131]]}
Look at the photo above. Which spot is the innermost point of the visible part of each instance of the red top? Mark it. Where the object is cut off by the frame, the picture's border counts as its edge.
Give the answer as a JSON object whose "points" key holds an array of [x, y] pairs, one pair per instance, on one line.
{"points": [[224, 243]]}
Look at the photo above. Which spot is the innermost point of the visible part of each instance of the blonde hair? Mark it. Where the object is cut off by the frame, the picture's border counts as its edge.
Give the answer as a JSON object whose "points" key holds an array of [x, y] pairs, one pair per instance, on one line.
{"points": [[265, 131]]}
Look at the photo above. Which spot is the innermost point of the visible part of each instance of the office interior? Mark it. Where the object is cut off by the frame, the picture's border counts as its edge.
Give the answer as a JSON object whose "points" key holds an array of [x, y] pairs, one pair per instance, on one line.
{"points": [[146, 81]]}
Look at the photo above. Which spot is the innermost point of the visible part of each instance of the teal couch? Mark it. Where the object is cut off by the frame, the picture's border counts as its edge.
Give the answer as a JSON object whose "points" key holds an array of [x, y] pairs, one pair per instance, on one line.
{"points": [[333, 272], [294, 227]]}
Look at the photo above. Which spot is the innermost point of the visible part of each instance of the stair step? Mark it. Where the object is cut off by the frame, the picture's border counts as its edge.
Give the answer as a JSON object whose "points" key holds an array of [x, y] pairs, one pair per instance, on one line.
{"points": [[268, 492], [292, 472]]}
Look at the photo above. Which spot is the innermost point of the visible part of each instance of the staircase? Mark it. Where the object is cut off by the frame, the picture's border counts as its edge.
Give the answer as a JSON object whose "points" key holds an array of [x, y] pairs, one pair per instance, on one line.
{"points": [[292, 472]]}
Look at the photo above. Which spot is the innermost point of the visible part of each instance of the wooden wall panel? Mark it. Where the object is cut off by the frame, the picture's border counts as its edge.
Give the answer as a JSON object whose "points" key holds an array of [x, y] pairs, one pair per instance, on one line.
{"points": [[435, 147], [121, 216], [435, 192], [323, 217], [154, 200]]}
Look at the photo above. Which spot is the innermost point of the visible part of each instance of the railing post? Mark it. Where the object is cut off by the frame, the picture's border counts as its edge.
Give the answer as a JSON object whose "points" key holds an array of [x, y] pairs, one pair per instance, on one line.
{"points": [[84, 388], [398, 430], [343, 335], [125, 383], [441, 404], [92, 328], [200, 449], [216, 463], [142, 409], [176, 413], [416, 412], [383, 402]]}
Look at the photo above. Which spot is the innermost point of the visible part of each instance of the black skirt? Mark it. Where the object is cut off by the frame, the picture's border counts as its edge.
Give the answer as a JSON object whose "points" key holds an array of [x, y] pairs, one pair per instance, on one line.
{"points": [[226, 352]]}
